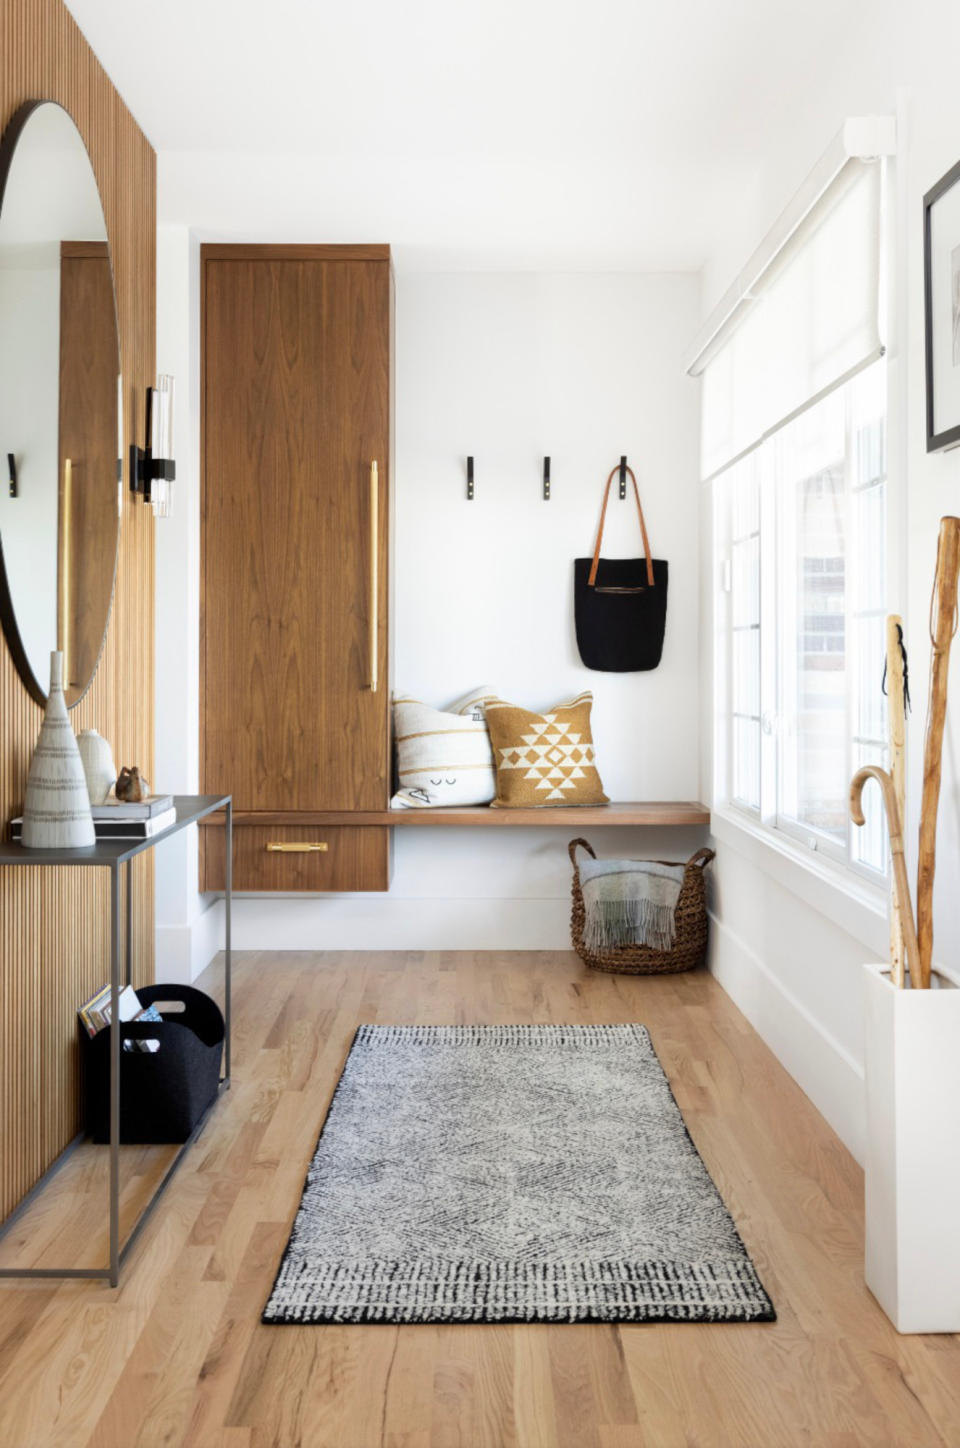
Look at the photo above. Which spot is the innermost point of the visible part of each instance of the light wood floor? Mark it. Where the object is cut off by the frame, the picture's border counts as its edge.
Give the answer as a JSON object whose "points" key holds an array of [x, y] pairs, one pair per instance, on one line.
{"points": [[176, 1356]]}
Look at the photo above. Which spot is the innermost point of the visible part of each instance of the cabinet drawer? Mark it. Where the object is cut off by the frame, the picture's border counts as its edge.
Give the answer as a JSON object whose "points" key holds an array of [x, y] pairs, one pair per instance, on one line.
{"points": [[297, 857]]}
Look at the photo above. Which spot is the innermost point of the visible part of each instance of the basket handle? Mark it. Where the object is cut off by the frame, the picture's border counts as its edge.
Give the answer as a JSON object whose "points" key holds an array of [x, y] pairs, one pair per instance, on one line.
{"points": [[701, 857], [572, 850]]}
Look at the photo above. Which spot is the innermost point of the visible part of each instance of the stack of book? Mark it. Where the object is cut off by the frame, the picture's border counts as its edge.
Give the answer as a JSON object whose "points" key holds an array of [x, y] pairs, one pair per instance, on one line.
{"points": [[95, 1015], [119, 821]]}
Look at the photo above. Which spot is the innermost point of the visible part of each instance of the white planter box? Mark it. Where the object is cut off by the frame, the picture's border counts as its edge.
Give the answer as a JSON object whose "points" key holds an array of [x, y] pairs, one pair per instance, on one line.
{"points": [[912, 1069]]}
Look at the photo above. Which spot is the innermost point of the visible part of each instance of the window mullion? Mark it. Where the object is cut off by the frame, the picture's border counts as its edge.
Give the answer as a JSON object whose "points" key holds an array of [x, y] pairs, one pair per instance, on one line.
{"points": [[769, 624]]}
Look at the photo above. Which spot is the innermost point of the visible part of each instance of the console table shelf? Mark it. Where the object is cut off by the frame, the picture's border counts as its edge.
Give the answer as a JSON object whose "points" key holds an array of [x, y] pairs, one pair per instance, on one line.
{"points": [[658, 812]]}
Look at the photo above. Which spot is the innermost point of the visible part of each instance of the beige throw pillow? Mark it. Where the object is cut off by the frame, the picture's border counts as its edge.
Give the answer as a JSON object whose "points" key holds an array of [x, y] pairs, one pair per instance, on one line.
{"points": [[544, 759], [443, 756]]}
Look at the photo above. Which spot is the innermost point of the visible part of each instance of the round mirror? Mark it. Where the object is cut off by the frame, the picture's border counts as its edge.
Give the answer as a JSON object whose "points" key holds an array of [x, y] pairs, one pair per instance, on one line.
{"points": [[60, 438]]}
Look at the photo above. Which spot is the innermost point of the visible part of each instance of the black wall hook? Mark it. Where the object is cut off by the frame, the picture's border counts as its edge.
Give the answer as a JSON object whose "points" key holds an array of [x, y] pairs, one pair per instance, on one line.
{"points": [[469, 480], [12, 471], [546, 480], [623, 475]]}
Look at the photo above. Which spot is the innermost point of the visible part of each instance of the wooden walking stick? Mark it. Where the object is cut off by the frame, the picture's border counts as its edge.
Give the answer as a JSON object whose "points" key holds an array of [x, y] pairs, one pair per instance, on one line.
{"points": [[895, 828], [896, 710], [943, 626]]}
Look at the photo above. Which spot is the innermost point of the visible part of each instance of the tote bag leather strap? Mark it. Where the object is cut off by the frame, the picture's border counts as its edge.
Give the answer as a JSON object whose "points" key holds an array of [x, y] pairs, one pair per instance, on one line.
{"points": [[591, 581]]}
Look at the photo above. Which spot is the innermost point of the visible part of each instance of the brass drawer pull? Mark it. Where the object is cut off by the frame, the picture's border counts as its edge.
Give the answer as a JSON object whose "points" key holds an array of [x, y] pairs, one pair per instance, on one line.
{"points": [[296, 847]]}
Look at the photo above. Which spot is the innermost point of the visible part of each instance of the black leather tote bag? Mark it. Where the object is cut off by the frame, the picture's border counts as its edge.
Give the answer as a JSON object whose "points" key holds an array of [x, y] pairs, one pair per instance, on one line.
{"points": [[620, 604]]}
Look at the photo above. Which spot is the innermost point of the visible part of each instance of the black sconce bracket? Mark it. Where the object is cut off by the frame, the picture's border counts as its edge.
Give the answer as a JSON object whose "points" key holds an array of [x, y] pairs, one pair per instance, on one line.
{"points": [[144, 467]]}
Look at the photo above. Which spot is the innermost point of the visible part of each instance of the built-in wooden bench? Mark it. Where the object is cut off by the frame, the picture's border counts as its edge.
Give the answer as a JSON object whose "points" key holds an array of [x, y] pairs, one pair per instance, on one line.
{"points": [[318, 850], [657, 812]]}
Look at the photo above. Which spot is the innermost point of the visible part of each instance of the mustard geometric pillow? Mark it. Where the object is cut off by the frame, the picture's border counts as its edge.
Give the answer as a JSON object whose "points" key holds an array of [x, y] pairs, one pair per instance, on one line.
{"points": [[544, 759]]}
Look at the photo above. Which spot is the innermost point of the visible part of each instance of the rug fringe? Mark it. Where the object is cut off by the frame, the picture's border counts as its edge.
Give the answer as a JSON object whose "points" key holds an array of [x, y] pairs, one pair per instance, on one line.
{"points": [[612, 1036], [438, 1290]]}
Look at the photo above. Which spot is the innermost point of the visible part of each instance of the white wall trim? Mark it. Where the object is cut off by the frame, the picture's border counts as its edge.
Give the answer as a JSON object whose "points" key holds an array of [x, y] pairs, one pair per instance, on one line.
{"points": [[856, 906], [183, 951], [379, 922], [362, 922], [816, 1060]]}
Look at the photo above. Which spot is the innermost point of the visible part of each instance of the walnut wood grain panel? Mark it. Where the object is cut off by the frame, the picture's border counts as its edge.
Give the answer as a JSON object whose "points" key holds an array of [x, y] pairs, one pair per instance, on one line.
{"points": [[89, 364], [296, 358], [53, 923], [354, 859]]}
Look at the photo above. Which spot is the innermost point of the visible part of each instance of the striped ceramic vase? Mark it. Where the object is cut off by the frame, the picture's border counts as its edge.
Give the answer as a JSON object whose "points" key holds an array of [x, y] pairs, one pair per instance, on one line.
{"points": [[56, 810]]}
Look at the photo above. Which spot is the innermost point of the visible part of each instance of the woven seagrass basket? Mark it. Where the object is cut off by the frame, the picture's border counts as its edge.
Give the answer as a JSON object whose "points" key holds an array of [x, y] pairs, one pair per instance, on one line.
{"points": [[690, 917]]}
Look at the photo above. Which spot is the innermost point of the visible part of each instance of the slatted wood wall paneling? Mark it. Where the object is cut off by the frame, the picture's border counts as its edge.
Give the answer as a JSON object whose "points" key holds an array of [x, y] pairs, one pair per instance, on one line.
{"points": [[54, 940]]}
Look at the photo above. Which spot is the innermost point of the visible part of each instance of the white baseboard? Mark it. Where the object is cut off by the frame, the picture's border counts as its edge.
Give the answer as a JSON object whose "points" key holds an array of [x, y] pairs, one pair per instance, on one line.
{"points": [[823, 1069], [379, 922], [358, 922], [183, 951]]}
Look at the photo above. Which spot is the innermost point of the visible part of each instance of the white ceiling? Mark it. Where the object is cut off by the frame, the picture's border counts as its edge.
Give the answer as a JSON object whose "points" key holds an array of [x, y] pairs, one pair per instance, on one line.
{"points": [[615, 133]]}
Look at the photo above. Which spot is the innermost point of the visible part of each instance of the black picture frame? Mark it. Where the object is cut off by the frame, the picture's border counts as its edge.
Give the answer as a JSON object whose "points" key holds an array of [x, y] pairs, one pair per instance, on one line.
{"points": [[948, 437]]}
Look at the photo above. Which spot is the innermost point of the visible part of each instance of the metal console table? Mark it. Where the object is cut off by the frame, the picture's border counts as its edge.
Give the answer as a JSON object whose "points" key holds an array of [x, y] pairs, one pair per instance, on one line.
{"points": [[113, 855]]}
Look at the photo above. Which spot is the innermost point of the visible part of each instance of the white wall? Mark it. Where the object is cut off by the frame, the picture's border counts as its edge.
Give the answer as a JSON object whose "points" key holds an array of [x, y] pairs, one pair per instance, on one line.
{"points": [[507, 367], [188, 929], [787, 947]]}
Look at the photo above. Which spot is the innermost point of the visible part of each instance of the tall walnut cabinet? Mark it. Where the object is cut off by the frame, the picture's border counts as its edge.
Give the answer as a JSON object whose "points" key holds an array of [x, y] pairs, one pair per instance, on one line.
{"points": [[296, 362]]}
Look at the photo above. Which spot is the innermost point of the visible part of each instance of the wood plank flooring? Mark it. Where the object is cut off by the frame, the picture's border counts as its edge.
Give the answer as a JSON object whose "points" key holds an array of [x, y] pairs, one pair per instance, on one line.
{"points": [[177, 1356]]}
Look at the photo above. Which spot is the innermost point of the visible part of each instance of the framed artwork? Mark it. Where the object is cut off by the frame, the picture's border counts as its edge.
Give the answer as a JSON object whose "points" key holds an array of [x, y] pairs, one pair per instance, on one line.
{"points": [[941, 288]]}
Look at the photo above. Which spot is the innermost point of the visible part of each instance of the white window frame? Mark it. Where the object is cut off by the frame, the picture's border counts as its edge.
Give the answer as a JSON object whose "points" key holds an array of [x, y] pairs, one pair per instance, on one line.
{"points": [[768, 819], [854, 897]]}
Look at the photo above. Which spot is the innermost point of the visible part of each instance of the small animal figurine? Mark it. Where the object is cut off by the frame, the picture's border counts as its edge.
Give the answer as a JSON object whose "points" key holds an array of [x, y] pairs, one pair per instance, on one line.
{"points": [[131, 787]]}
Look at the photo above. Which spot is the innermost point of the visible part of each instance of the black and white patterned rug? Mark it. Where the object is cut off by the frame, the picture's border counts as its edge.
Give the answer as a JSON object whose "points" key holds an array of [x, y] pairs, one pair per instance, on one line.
{"points": [[510, 1174]]}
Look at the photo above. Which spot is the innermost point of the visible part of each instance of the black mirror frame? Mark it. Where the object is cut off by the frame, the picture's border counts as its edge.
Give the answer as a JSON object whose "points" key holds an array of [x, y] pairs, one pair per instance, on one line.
{"points": [[950, 437]]}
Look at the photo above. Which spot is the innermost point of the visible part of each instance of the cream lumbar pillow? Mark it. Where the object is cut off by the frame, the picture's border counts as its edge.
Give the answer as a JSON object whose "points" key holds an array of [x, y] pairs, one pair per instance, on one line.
{"points": [[544, 759], [443, 755]]}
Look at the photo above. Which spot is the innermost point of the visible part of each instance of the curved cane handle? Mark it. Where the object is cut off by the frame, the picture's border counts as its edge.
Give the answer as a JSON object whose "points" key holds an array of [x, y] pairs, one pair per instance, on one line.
{"points": [[918, 977]]}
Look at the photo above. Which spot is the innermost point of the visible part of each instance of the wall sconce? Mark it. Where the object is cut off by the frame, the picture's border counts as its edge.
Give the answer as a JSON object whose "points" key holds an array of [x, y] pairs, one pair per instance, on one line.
{"points": [[152, 469]]}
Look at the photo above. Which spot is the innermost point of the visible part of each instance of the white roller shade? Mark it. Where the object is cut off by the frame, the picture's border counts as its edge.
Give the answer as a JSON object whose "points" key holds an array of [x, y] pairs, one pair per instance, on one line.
{"points": [[808, 321]]}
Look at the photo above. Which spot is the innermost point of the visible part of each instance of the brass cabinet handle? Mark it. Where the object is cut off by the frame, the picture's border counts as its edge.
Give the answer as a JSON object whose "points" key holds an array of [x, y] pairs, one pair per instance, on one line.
{"points": [[374, 571], [66, 582], [296, 847]]}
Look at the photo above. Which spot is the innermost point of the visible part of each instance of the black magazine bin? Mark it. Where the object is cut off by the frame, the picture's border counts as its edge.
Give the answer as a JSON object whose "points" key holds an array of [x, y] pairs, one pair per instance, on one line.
{"points": [[164, 1093]]}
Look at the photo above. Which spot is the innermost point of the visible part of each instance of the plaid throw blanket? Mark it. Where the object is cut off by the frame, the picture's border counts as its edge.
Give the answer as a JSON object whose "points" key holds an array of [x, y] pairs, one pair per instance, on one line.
{"points": [[629, 902]]}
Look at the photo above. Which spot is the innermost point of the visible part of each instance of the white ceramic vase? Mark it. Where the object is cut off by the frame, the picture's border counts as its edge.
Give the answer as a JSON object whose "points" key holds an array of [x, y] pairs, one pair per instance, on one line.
{"points": [[56, 810], [98, 766]]}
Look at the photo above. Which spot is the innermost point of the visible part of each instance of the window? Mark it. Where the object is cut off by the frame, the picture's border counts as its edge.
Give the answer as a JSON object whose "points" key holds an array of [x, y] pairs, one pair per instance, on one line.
{"points": [[794, 451], [802, 548]]}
